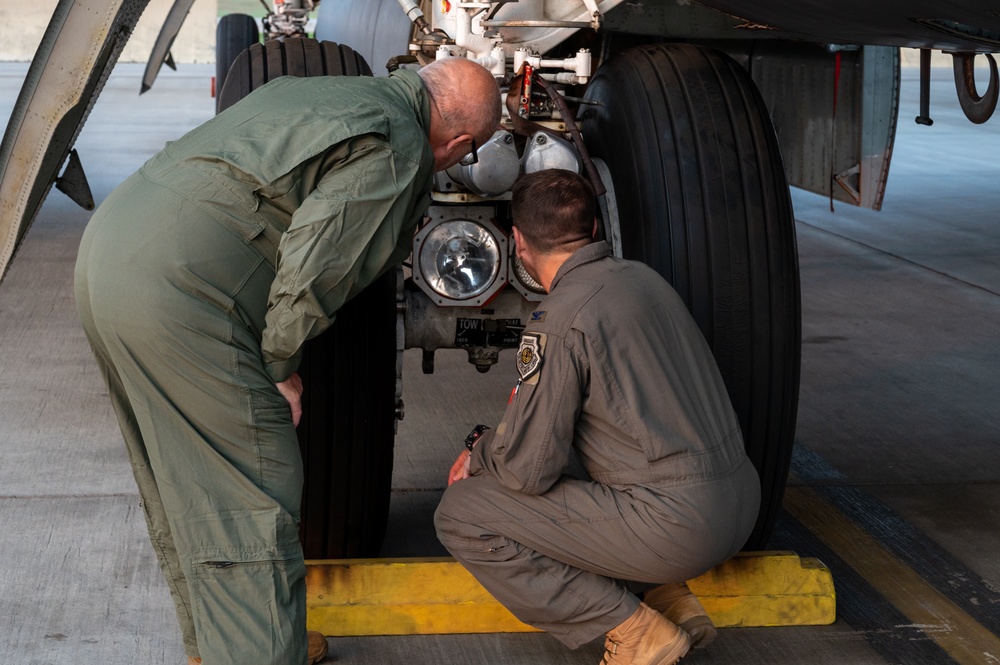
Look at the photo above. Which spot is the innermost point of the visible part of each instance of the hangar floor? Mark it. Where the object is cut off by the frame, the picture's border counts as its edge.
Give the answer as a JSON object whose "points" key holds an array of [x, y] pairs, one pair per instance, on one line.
{"points": [[895, 482]]}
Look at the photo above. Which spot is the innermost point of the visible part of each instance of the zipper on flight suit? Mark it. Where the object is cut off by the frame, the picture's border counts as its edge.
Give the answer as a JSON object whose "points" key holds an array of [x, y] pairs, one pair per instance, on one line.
{"points": [[219, 564]]}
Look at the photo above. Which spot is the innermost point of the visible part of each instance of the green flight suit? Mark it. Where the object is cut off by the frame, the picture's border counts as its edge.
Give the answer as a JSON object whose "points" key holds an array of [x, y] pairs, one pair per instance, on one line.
{"points": [[615, 373], [197, 282]]}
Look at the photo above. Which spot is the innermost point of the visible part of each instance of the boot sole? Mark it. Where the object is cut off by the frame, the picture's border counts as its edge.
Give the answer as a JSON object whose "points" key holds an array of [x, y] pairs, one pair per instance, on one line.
{"points": [[318, 648], [673, 652], [702, 631]]}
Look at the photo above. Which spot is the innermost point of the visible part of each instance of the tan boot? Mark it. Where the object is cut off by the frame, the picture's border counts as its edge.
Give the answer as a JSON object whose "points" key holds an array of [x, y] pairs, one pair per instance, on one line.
{"points": [[645, 638], [318, 647], [678, 604]]}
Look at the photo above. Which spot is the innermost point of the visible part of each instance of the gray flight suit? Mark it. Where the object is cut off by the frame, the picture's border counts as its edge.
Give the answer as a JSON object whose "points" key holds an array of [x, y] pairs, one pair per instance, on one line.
{"points": [[197, 282], [615, 372]]}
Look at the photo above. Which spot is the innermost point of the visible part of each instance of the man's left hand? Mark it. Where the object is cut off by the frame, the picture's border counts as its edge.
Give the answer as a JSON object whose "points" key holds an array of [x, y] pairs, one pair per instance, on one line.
{"points": [[291, 390], [460, 469]]}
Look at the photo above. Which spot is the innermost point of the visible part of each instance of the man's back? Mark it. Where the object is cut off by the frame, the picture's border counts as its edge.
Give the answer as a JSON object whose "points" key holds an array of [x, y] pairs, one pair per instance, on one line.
{"points": [[613, 368], [656, 408], [291, 120]]}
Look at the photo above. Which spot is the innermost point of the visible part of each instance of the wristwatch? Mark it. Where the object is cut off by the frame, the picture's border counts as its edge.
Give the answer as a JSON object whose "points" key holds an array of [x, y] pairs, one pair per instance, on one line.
{"points": [[475, 435]]}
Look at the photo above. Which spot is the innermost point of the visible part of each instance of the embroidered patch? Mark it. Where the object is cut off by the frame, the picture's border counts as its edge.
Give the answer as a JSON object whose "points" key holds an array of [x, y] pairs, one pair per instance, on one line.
{"points": [[529, 355], [538, 316]]}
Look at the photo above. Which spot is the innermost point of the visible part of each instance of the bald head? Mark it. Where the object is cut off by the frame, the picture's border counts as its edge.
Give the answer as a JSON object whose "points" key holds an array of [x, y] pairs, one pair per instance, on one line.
{"points": [[465, 105]]}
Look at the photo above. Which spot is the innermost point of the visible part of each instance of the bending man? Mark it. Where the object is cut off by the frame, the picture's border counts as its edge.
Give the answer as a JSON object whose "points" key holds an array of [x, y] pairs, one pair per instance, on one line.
{"points": [[614, 371], [198, 281]]}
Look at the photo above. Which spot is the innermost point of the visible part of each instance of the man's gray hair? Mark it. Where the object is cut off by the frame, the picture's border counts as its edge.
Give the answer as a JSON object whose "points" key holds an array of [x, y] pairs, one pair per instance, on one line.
{"points": [[466, 95]]}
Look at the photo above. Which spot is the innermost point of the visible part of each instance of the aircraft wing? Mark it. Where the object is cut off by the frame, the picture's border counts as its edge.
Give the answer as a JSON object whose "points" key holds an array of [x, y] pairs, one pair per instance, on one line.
{"points": [[968, 25]]}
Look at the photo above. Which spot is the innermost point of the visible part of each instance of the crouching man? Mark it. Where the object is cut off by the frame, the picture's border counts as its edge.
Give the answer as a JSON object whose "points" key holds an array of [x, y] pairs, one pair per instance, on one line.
{"points": [[614, 372]]}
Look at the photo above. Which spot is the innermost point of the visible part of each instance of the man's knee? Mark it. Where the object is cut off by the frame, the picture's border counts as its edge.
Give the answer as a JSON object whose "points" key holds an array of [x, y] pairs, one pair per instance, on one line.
{"points": [[461, 513], [450, 517]]}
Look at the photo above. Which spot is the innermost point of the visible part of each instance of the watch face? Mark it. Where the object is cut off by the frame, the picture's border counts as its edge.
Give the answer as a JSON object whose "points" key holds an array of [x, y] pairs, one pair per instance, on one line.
{"points": [[474, 435]]}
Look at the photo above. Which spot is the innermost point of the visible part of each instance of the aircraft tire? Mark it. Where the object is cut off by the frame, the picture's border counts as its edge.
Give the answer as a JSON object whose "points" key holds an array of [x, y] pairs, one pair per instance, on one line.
{"points": [[234, 34], [702, 198], [349, 372], [376, 28]]}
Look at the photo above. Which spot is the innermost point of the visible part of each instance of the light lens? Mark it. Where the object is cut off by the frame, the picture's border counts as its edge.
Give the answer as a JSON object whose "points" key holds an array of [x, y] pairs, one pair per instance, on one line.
{"points": [[525, 278], [459, 259]]}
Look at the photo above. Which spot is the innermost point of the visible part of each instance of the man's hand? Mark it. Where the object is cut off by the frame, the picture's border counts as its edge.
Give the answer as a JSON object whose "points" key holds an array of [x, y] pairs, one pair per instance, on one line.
{"points": [[460, 469], [291, 390]]}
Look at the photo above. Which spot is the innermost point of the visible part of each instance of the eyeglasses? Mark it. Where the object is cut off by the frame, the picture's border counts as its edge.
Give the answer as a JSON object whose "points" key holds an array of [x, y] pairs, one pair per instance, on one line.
{"points": [[472, 157]]}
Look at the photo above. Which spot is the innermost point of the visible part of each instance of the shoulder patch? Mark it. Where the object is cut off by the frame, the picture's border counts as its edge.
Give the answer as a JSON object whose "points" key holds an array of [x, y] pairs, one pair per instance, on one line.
{"points": [[529, 355], [538, 316]]}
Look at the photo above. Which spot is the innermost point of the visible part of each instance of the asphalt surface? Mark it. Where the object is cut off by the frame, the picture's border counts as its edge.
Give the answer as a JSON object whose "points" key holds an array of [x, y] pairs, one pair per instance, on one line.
{"points": [[895, 476]]}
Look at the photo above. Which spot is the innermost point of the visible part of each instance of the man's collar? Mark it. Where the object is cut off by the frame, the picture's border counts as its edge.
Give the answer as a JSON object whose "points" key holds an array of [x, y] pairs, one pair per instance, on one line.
{"points": [[586, 254], [414, 85]]}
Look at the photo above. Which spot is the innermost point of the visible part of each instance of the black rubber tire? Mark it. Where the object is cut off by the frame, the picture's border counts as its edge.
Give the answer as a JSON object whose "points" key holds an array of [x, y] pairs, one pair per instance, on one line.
{"points": [[234, 34], [349, 372], [702, 197], [296, 56], [348, 427]]}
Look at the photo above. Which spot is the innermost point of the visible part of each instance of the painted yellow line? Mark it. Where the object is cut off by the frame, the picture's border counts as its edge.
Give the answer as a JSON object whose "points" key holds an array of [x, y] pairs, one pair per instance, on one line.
{"points": [[961, 636], [438, 596]]}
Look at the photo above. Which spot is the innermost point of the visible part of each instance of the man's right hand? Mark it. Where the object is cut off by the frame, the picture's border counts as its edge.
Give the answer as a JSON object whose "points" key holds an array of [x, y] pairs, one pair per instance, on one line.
{"points": [[291, 390], [460, 469]]}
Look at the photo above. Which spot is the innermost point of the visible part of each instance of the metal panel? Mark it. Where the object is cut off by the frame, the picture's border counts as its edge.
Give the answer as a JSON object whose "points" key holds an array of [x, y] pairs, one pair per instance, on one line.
{"points": [[836, 146], [78, 51], [970, 25], [880, 112], [161, 54]]}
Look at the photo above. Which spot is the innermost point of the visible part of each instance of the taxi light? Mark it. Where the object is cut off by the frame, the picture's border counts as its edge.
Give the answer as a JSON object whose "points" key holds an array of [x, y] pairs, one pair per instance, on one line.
{"points": [[460, 261]]}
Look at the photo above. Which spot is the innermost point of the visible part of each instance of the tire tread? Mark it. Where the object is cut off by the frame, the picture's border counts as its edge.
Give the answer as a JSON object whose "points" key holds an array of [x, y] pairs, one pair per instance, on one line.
{"points": [[714, 217], [347, 428]]}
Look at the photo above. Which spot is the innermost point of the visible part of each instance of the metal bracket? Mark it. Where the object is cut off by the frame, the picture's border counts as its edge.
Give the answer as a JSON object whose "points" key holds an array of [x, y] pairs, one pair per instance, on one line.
{"points": [[977, 109], [841, 179], [925, 88], [73, 182]]}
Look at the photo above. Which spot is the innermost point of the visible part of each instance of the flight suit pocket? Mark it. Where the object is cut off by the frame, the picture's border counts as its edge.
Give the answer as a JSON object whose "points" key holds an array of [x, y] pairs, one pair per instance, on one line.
{"points": [[262, 593], [279, 461]]}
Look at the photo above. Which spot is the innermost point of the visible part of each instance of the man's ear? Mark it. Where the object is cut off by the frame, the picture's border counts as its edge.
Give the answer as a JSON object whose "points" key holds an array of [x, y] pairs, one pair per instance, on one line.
{"points": [[449, 152], [462, 143], [518, 241], [593, 232]]}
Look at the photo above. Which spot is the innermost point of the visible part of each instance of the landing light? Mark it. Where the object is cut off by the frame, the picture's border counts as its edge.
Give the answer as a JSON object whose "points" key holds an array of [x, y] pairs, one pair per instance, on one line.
{"points": [[460, 261]]}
